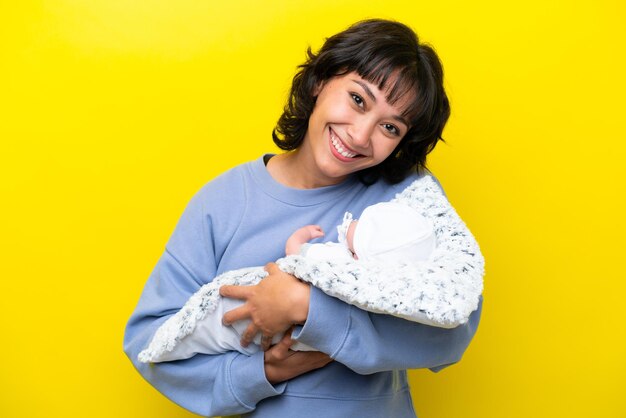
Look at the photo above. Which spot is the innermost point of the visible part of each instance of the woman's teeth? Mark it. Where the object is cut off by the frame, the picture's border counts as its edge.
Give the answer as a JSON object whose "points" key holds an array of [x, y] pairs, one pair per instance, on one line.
{"points": [[340, 149]]}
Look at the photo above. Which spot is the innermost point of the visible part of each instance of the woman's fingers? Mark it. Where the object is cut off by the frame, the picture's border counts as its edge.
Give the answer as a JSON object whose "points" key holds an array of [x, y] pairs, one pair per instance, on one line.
{"points": [[272, 268], [281, 349], [235, 292], [249, 335], [266, 341], [281, 365], [280, 352], [237, 314]]}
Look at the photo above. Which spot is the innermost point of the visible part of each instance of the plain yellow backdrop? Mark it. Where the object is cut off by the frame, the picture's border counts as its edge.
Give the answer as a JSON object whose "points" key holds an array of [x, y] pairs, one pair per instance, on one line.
{"points": [[114, 113]]}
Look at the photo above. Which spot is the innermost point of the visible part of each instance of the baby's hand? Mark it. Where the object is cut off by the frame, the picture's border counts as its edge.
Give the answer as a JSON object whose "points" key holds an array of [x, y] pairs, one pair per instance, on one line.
{"points": [[314, 231], [301, 236]]}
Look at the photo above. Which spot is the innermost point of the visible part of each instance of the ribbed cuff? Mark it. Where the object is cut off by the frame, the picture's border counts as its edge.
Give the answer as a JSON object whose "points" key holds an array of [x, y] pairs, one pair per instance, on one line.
{"points": [[247, 380], [327, 325]]}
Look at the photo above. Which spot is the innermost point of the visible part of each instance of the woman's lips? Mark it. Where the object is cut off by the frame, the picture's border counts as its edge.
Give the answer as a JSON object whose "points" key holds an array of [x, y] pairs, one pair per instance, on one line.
{"points": [[340, 149]]}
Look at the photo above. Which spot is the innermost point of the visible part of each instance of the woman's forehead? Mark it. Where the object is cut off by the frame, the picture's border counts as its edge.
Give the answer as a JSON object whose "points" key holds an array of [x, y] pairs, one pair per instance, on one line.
{"points": [[399, 88], [394, 89]]}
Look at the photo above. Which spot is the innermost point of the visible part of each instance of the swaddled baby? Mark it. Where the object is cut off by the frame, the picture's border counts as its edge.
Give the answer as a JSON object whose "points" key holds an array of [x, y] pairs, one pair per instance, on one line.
{"points": [[387, 232]]}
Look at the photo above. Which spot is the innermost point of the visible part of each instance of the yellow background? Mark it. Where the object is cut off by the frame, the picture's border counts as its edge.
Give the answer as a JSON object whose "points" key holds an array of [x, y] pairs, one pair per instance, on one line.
{"points": [[113, 113]]}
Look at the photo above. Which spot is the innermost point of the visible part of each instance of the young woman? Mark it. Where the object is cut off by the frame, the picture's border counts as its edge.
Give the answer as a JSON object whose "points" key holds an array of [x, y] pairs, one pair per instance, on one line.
{"points": [[363, 114]]}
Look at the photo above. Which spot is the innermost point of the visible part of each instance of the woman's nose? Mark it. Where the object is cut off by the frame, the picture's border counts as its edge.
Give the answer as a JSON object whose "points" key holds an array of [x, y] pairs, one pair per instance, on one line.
{"points": [[361, 133]]}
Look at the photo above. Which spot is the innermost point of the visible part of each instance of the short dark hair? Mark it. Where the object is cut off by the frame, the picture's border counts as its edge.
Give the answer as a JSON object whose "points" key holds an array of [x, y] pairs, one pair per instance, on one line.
{"points": [[379, 51]]}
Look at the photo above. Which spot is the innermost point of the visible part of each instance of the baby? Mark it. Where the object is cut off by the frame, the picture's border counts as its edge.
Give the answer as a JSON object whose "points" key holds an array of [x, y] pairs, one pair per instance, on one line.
{"points": [[387, 232]]}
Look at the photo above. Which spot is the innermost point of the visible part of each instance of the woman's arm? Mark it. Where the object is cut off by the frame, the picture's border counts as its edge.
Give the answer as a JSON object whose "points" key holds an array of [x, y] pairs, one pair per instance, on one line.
{"points": [[369, 343], [331, 325], [230, 383], [226, 384]]}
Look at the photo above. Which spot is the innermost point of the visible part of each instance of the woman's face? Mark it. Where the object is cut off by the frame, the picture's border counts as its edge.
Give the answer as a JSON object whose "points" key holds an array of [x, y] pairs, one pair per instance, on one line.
{"points": [[352, 127]]}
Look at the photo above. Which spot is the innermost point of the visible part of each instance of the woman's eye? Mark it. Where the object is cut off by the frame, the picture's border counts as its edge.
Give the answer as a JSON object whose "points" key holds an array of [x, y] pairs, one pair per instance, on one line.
{"points": [[357, 99], [391, 129]]}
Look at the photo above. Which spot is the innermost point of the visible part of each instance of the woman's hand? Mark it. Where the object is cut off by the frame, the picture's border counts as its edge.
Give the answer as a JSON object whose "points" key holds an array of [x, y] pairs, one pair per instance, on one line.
{"points": [[282, 364], [275, 304]]}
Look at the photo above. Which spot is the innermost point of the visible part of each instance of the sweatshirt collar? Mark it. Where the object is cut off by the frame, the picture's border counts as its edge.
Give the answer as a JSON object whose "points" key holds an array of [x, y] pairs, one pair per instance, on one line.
{"points": [[298, 197]]}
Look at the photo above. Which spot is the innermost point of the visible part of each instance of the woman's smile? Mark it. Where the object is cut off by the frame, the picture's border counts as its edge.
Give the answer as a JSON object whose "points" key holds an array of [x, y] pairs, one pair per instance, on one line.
{"points": [[340, 149]]}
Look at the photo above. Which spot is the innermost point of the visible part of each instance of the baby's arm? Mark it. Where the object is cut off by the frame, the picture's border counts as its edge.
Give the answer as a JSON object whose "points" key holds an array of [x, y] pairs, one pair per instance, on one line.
{"points": [[302, 236]]}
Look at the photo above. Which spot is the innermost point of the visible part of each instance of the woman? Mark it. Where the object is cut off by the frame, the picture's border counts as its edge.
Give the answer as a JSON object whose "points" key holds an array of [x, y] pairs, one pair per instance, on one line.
{"points": [[362, 116]]}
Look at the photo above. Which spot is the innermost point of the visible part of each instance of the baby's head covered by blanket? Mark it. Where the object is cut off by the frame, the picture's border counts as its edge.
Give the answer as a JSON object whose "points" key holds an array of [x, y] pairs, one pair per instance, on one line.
{"points": [[391, 232]]}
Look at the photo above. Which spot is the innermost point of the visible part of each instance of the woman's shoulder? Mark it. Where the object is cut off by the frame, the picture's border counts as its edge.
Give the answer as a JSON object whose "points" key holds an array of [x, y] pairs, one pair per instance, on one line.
{"points": [[221, 199], [228, 186]]}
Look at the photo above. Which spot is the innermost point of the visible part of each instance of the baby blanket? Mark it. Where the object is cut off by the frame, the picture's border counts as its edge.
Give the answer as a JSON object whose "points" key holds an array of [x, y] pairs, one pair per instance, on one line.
{"points": [[442, 291]]}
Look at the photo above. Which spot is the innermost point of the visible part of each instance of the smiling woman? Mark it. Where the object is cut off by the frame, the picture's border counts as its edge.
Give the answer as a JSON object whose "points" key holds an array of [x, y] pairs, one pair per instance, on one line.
{"points": [[362, 116]]}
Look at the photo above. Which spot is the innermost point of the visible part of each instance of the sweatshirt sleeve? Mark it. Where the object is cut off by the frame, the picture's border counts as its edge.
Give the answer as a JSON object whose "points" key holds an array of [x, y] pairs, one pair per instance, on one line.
{"points": [[368, 342], [224, 384]]}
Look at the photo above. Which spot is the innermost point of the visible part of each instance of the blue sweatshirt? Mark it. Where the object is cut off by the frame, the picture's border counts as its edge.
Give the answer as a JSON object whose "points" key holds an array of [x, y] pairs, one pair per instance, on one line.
{"points": [[241, 219]]}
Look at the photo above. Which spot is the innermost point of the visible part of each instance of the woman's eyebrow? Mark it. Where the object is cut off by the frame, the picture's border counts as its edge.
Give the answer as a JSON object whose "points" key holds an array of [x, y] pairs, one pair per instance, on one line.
{"points": [[367, 89], [401, 120]]}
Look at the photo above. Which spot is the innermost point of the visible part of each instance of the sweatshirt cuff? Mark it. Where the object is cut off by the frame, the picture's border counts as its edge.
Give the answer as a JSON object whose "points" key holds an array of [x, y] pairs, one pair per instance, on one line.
{"points": [[326, 327], [247, 380]]}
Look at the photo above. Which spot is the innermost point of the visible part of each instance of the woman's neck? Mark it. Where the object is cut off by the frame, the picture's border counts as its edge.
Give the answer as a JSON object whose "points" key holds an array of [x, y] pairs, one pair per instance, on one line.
{"points": [[292, 169]]}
